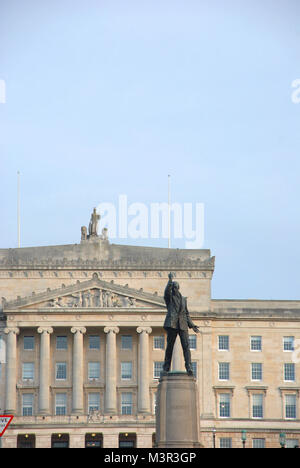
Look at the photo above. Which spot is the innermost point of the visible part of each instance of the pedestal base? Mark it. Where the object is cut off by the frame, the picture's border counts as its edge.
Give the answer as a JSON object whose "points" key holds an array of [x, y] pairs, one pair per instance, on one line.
{"points": [[177, 412]]}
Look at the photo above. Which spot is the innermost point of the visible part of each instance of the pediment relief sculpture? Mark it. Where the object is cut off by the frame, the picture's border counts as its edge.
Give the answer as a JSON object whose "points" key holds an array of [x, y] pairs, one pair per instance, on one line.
{"points": [[94, 298]]}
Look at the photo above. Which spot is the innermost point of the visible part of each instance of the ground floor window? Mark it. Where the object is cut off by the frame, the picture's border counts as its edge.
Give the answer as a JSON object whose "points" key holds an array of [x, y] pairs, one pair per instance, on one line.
{"points": [[225, 442], [60, 441], [93, 440], [127, 440], [292, 443], [258, 443], [26, 441]]}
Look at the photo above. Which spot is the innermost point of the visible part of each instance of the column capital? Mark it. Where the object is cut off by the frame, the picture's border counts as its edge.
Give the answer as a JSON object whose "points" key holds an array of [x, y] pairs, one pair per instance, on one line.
{"points": [[14, 330], [111, 329], [78, 329], [144, 330], [45, 330]]}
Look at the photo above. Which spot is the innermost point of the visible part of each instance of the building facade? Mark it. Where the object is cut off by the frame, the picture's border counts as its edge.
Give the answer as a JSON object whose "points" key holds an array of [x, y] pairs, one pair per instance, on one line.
{"points": [[82, 347]]}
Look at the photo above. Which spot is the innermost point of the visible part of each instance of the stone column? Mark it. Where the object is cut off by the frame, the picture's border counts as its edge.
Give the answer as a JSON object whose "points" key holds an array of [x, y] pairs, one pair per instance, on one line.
{"points": [[11, 370], [44, 403], [77, 380], [110, 370], [143, 377]]}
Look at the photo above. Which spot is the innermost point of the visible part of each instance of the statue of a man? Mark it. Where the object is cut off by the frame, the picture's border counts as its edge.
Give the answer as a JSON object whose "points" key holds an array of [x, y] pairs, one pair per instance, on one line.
{"points": [[177, 321], [94, 223]]}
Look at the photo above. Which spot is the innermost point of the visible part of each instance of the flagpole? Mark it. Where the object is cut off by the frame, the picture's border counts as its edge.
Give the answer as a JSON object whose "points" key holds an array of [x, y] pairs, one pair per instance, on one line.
{"points": [[169, 211], [19, 226]]}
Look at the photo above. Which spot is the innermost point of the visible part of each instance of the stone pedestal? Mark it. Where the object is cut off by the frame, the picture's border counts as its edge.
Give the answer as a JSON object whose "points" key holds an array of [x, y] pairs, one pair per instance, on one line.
{"points": [[177, 412]]}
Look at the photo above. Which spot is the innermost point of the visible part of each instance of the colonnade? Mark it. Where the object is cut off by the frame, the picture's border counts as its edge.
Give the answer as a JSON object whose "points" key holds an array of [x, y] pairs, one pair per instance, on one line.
{"points": [[78, 371]]}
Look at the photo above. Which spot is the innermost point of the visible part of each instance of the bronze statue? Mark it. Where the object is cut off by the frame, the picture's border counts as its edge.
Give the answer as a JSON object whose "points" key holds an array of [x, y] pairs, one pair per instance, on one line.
{"points": [[177, 321]]}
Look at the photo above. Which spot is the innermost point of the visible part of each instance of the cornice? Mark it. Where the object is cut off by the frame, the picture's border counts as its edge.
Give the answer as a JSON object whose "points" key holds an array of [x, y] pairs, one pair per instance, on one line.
{"points": [[105, 256], [95, 282]]}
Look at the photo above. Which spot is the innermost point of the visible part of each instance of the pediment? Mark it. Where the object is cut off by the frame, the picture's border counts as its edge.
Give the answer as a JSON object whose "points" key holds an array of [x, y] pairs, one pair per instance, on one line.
{"points": [[93, 293]]}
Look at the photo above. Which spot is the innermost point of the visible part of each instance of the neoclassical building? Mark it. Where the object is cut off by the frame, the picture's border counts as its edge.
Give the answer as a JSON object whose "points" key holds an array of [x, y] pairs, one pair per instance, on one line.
{"points": [[82, 347]]}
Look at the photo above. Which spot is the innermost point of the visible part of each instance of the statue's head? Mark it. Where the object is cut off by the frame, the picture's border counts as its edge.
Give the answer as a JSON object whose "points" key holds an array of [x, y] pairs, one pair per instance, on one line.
{"points": [[175, 287]]}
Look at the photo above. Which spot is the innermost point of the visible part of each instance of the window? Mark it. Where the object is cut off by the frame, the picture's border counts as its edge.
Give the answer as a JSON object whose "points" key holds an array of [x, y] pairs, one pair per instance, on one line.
{"points": [[126, 443], [258, 443], [157, 369], [256, 343], [28, 342], [292, 443], [224, 405], [223, 343], [28, 371], [126, 403], [288, 343], [93, 370], [290, 407], [256, 371], [60, 441], [26, 441], [257, 405], [93, 440], [193, 341], [61, 343], [159, 342], [223, 370], [27, 404], [225, 442], [194, 368], [289, 372], [127, 440], [94, 342], [93, 402], [126, 370], [61, 404], [61, 371], [126, 342]]}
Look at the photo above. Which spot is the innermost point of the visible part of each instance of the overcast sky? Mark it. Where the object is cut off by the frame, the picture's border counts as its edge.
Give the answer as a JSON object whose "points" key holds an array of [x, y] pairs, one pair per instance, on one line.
{"points": [[104, 98]]}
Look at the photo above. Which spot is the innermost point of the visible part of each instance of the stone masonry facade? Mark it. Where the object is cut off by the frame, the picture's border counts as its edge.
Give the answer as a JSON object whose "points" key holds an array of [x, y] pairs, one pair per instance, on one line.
{"points": [[82, 345]]}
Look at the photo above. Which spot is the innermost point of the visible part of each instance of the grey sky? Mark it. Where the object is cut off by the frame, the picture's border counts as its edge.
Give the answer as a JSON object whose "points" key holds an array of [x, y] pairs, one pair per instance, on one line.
{"points": [[108, 97]]}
